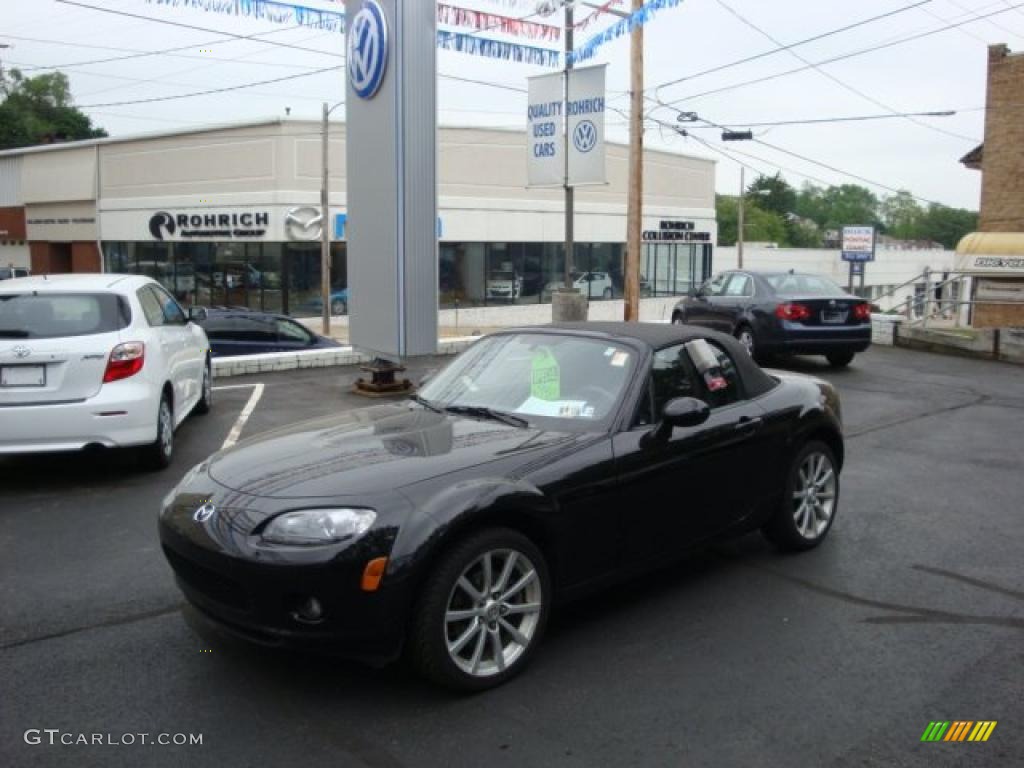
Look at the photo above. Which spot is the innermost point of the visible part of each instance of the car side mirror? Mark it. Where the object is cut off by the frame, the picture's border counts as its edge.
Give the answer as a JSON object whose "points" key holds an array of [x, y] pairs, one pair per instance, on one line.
{"points": [[197, 314], [678, 412]]}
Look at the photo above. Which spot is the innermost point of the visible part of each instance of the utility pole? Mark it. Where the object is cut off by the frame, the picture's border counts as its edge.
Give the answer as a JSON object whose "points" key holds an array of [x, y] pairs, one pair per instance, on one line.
{"points": [[739, 220], [634, 205], [325, 232], [570, 198]]}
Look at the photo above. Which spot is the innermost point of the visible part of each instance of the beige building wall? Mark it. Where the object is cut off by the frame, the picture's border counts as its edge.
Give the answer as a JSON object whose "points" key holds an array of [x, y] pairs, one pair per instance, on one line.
{"points": [[1002, 184]]}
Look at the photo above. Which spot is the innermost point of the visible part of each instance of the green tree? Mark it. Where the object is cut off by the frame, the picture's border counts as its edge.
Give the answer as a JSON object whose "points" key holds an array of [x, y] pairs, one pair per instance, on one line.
{"points": [[850, 205], [902, 216], [40, 110], [811, 204], [759, 225], [773, 193], [947, 225]]}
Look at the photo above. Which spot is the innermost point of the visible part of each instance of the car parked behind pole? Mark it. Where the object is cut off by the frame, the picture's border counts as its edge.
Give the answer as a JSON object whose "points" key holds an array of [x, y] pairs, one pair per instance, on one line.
{"points": [[97, 360], [781, 313], [539, 465], [240, 331]]}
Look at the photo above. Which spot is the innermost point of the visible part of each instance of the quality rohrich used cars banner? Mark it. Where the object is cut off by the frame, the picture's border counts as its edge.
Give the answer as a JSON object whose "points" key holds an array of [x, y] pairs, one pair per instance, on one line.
{"points": [[545, 119], [585, 112]]}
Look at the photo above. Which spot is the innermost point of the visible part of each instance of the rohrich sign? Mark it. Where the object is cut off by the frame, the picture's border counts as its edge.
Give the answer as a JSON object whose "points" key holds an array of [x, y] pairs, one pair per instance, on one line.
{"points": [[391, 215], [209, 225]]}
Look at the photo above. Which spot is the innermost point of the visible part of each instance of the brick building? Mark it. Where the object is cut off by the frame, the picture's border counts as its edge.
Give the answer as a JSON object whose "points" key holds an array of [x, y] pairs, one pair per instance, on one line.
{"points": [[997, 259]]}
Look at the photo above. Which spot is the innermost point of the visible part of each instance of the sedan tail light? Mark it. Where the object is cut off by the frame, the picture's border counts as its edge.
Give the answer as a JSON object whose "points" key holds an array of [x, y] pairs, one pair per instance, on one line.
{"points": [[791, 311], [125, 360], [862, 311]]}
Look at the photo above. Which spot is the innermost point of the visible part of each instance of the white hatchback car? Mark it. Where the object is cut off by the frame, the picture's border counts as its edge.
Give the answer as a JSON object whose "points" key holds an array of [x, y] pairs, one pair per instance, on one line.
{"points": [[108, 360]]}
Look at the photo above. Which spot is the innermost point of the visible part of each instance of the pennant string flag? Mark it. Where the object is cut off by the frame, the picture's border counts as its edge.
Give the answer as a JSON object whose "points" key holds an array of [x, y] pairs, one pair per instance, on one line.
{"points": [[598, 12], [496, 49], [481, 20], [637, 18], [267, 10]]}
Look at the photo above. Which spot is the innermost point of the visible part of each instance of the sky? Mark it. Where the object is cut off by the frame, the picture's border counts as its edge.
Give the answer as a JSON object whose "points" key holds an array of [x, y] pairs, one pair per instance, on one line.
{"points": [[936, 72]]}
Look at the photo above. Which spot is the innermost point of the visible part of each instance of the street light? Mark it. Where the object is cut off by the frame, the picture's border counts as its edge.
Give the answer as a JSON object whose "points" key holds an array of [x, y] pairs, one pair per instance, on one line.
{"points": [[325, 232]]}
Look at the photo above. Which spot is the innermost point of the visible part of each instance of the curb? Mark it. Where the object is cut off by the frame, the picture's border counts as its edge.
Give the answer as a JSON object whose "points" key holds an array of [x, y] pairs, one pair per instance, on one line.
{"points": [[244, 365]]}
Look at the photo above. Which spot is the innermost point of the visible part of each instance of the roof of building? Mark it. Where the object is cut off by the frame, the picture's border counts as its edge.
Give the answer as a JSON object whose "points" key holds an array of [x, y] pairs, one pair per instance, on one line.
{"points": [[974, 158]]}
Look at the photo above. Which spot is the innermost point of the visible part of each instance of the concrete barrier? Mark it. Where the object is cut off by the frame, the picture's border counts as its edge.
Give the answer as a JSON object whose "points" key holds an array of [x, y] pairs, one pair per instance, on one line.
{"points": [[884, 328]]}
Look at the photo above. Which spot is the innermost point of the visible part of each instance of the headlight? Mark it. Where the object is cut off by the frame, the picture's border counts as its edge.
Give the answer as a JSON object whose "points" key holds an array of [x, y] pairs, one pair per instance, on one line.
{"points": [[319, 526]]}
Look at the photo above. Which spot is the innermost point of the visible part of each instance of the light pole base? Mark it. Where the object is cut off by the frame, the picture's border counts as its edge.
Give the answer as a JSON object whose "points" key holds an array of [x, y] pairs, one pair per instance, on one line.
{"points": [[568, 306]]}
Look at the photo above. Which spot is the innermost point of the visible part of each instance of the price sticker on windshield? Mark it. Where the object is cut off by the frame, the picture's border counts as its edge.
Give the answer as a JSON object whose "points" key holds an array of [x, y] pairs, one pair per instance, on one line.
{"points": [[545, 376]]}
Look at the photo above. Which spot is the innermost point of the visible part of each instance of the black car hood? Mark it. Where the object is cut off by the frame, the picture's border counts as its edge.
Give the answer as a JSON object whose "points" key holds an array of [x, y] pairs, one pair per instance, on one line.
{"points": [[371, 450]]}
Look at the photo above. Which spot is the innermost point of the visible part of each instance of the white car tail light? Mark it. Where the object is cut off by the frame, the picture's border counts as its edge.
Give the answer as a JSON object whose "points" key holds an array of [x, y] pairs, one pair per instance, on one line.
{"points": [[125, 360]]}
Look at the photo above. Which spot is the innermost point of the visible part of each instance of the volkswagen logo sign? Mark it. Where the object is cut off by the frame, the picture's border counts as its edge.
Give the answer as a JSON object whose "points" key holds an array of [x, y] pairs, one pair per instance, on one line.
{"points": [[21, 351], [303, 223], [204, 513], [585, 136], [367, 50]]}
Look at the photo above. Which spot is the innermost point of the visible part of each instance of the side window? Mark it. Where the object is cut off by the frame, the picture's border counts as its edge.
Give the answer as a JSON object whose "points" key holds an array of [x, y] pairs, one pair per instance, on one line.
{"points": [[716, 285], [288, 330], [720, 385], [172, 311], [151, 306], [740, 285], [672, 376]]}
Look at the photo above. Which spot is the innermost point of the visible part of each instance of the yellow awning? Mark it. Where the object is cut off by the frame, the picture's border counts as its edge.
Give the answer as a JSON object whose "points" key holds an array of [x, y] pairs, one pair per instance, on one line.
{"points": [[991, 253]]}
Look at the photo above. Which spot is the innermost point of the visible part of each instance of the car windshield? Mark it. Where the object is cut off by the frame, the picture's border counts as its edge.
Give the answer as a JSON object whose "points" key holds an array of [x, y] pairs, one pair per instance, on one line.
{"points": [[803, 285], [54, 315], [554, 381]]}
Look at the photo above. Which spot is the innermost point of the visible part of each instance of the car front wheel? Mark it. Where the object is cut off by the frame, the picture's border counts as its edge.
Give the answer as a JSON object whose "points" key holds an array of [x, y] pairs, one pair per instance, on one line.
{"points": [[482, 612], [745, 336], [810, 502], [338, 307]]}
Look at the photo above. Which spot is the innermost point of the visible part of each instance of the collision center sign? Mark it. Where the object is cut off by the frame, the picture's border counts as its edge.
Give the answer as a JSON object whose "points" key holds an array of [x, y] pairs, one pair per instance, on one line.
{"points": [[858, 244]]}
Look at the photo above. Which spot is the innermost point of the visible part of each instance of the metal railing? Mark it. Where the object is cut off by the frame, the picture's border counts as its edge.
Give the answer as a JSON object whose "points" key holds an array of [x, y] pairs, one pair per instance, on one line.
{"points": [[932, 304]]}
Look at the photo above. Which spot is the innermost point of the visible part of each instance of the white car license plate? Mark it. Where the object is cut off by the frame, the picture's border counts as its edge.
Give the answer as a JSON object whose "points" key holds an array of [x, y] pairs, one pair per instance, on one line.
{"points": [[833, 317], [23, 376]]}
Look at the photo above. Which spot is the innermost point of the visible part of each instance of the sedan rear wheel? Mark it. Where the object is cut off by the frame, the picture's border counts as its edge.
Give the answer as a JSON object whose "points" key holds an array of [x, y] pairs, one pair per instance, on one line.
{"points": [[338, 307], [482, 612], [810, 502], [158, 454], [745, 336]]}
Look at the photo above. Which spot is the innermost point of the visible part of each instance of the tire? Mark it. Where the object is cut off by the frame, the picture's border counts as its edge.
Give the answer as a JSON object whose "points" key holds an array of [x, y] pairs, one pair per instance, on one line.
{"points": [[794, 528], [206, 393], [338, 307], [745, 336], [678, 319], [473, 664], [607, 293], [839, 359], [158, 454]]}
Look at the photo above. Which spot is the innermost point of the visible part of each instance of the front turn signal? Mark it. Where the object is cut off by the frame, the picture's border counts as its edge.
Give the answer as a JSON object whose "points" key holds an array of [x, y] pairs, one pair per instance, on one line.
{"points": [[373, 573]]}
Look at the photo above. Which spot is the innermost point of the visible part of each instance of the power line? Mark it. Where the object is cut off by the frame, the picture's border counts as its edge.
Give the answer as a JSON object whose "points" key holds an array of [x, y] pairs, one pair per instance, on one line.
{"points": [[841, 57], [772, 52], [850, 119], [838, 81]]}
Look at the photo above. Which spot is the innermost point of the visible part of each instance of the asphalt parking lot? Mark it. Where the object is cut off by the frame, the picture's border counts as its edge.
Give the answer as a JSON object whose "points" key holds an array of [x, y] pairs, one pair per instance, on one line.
{"points": [[910, 612]]}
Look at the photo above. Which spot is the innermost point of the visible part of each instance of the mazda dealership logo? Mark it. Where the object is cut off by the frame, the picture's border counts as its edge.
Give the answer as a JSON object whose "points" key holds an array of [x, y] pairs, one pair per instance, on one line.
{"points": [[21, 351], [367, 50], [585, 136], [160, 223], [303, 223], [204, 513]]}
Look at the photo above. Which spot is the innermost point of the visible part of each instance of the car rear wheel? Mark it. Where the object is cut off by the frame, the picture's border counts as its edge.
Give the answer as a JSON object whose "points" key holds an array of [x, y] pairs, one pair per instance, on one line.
{"points": [[745, 336], [338, 307], [607, 293], [839, 359], [482, 612], [677, 319], [206, 393], [158, 454], [810, 502]]}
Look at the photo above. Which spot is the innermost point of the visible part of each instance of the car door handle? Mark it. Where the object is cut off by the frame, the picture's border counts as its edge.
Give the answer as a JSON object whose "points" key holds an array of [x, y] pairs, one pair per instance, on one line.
{"points": [[748, 426]]}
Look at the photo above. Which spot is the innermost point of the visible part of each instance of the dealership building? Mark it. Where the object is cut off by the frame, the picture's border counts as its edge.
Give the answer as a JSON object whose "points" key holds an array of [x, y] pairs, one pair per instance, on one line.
{"points": [[229, 215]]}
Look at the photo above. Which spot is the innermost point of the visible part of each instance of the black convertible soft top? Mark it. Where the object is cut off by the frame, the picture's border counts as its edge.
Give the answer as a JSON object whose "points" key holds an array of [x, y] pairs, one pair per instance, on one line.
{"points": [[660, 335]]}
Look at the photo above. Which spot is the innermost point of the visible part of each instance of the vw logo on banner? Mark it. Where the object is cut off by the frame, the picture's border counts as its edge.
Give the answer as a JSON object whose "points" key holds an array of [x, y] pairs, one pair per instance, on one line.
{"points": [[585, 136], [367, 50]]}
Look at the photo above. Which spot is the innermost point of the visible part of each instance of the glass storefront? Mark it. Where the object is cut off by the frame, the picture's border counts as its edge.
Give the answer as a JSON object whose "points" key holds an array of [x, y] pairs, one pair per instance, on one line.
{"points": [[285, 277]]}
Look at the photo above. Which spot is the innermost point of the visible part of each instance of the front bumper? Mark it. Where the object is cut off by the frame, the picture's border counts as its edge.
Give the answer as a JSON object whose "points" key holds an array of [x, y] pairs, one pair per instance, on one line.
{"points": [[120, 414], [256, 595]]}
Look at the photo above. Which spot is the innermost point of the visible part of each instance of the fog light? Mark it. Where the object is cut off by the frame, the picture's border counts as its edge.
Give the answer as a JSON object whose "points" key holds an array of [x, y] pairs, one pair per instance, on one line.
{"points": [[310, 610]]}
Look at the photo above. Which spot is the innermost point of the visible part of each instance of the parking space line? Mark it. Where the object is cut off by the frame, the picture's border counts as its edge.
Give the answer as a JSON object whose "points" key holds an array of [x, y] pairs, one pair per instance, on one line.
{"points": [[243, 417], [233, 386]]}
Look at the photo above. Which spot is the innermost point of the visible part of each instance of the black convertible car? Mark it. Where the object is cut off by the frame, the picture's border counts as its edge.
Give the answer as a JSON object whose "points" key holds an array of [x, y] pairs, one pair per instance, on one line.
{"points": [[781, 312], [539, 465]]}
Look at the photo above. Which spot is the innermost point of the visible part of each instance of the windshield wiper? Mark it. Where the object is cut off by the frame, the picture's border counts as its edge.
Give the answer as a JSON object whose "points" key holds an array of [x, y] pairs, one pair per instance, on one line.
{"points": [[13, 333], [483, 412], [426, 403]]}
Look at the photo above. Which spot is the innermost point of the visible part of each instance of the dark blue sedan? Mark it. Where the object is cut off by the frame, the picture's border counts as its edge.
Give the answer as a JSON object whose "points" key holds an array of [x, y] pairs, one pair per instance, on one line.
{"points": [[240, 331]]}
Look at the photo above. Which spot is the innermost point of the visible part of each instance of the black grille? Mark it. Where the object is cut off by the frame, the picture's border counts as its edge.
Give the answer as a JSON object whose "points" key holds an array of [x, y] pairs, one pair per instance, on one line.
{"points": [[210, 583]]}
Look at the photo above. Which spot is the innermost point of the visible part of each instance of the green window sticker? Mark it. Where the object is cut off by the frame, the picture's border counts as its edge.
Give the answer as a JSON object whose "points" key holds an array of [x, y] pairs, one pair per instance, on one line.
{"points": [[545, 376]]}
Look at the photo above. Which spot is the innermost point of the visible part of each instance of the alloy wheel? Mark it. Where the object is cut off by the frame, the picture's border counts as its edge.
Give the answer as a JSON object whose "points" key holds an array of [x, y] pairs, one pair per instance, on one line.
{"points": [[493, 612], [746, 338], [166, 428], [814, 495]]}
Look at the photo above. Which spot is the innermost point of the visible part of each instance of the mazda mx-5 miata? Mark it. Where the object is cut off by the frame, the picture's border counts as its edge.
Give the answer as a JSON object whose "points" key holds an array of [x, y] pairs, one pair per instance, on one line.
{"points": [[539, 465]]}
